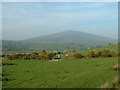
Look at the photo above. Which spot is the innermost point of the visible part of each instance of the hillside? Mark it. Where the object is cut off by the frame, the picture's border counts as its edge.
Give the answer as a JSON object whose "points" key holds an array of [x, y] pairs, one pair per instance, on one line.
{"points": [[113, 48], [71, 37]]}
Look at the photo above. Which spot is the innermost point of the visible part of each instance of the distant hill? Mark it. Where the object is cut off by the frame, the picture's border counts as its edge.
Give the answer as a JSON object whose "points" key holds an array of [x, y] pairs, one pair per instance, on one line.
{"points": [[67, 40], [72, 37]]}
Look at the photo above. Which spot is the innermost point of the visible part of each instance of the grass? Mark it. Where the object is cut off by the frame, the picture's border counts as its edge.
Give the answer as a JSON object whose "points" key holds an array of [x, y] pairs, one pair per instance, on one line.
{"points": [[78, 73], [113, 48]]}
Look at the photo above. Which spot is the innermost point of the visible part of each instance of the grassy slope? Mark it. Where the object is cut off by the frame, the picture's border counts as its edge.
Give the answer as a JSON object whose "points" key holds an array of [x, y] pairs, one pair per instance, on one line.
{"points": [[84, 73], [113, 48]]}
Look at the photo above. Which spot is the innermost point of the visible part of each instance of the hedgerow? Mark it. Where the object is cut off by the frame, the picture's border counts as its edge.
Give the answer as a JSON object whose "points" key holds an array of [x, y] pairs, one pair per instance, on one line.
{"points": [[74, 55]]}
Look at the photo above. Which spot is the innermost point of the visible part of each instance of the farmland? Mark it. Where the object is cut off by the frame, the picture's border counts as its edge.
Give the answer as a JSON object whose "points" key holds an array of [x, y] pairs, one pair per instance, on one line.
{"points": [[68, 73], [62, 74]]}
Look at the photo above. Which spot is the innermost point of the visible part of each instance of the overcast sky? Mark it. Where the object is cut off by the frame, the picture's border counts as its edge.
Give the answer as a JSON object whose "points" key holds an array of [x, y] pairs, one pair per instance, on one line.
{"points": [[23, 20]]}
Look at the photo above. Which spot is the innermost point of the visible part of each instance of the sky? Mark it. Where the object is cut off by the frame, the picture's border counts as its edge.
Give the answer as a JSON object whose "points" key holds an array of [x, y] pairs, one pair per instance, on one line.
{"points": [[60, 0], [23, 20]]}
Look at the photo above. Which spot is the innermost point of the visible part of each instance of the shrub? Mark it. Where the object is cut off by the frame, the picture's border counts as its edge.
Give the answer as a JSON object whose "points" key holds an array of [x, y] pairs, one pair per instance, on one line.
{"points": [[34, 53], [39, 56], [34, 56], [114, 54], [91, 54], [50, 56], [99, 54], [45, 55], [13, 56], [27, 57], [77, 55], [106, 53]]}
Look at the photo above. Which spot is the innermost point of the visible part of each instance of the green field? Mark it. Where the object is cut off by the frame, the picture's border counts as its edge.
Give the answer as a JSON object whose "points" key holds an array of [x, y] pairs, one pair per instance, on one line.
{"points": [[77, 73], [110, 48]]}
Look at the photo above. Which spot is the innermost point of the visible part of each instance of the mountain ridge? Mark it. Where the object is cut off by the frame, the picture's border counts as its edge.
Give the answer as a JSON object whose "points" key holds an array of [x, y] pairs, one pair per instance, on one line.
{"points": [[70, 36], [68, 32]]}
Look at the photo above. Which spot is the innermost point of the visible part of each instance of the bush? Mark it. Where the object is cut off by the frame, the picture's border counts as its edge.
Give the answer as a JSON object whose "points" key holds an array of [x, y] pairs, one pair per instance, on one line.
{"points": [[45, 55], [50, 56], [13, 56], [114, 54], [77, 55], [99, 54], [91, 54], [27, 57], [34, 53], [106, 53]]}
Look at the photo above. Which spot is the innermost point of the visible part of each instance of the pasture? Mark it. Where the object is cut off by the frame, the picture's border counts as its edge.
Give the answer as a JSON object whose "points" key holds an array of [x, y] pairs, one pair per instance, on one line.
{"points": [[76, 73]]}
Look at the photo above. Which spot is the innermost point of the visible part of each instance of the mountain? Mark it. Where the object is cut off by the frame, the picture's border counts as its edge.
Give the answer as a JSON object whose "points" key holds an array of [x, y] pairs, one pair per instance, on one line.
{"points": [[70, 36], [67, 40]]}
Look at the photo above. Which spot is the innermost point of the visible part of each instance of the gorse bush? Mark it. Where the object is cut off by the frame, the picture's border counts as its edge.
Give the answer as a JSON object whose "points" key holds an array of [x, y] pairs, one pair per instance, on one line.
{"points": [[74, 55], [34, 55], [91, 54], [27, 56], [13, 56], [105, 53], [46, 55], [101, 53], [77, 55]]}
